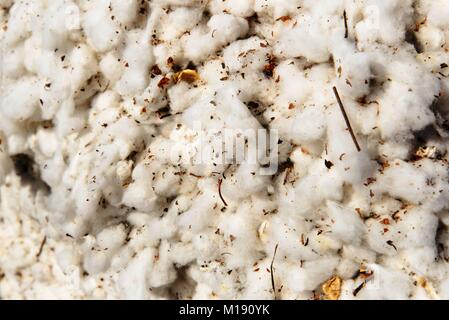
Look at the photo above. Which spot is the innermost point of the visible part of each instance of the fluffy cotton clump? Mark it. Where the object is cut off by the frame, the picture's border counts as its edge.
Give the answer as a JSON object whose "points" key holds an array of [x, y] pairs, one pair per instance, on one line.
{"points": [[195, 149]]}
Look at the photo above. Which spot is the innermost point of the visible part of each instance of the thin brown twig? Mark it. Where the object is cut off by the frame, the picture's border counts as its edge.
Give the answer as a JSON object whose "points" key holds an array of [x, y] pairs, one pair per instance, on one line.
{"points": [[348, 123], [273, 285], [345, 17], [220, 182], [41, 247]]}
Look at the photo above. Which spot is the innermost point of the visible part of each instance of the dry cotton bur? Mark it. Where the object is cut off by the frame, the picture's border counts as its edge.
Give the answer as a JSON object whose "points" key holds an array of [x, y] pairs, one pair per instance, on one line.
{"points": [[99, 103]]}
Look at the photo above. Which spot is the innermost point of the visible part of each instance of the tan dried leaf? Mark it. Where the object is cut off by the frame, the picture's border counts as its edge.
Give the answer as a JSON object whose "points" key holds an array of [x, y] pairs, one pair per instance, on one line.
{"points": [[430, 290], [188, 75], [284, 18], [426, 152], [332, 288], [261, 231]]}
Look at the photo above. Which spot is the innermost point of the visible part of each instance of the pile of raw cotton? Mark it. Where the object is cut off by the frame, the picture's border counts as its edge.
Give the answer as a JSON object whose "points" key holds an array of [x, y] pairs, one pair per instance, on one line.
{"points": [[224, 149]]}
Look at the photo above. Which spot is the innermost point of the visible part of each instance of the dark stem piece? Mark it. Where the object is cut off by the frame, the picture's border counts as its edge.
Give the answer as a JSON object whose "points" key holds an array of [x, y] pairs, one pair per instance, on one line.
{"points": [[345, 17], [273, 285], [41, 247], [345, 116], [220, 182]]}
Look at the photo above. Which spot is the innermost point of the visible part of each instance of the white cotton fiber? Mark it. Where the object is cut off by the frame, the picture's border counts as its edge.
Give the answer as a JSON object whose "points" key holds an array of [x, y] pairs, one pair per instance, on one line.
{"points": [[224, 149]]}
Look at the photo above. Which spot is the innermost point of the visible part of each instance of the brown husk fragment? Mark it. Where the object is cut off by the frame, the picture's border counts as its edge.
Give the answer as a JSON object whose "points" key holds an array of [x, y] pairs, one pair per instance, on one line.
{"points": [[332, 288], [188, 75]]}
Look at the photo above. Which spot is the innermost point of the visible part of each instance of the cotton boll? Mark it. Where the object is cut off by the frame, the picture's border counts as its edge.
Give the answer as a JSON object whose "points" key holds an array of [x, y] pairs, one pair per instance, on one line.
{"points": [[347, 224], [136, 274], [240, 229], [352, 165], [47, 142], [134, 77], [198, 216], [295, 88], [358, 254], [444, 289], [102, 32], [224, 21], [111, 238], [384, 21], [153, 232], [84, 66], [323, 243], [305, 278], [179, 21], [405, 181], [153, 96], [182, 254], [439, 10], [125, 11], [247, 177], [147, 196], [285, 230], [353, 69], [203, 292], [111, 67], [258, 283], [212, 72], [163, 272], [67, 120], [235, 7], [422, 259], [33, 61], [21, 19], [431, 38], [222, 28], [227, 111], [310, 191], [347, 268], [22, 100], [411, 111], [393, 150], [12, 62], [166, 182], [164, 51], [305, 39], [59, 20], [385, 284], [276, 8], [67, 257], [246, 53], [96, 262], [182, 96], [127, 134], [415, 229], [53, 177], [106, 100], [162, 148], [302, 161], [138, 196], [421, 228]]}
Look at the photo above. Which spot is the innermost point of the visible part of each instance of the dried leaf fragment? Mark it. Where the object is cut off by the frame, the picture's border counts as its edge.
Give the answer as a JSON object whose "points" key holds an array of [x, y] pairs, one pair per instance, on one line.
{"points": [[188, 75], [268, 69], [332, 288], [163, 82], [284, 18], [262, 229], [426, 152], [428, 287]]}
